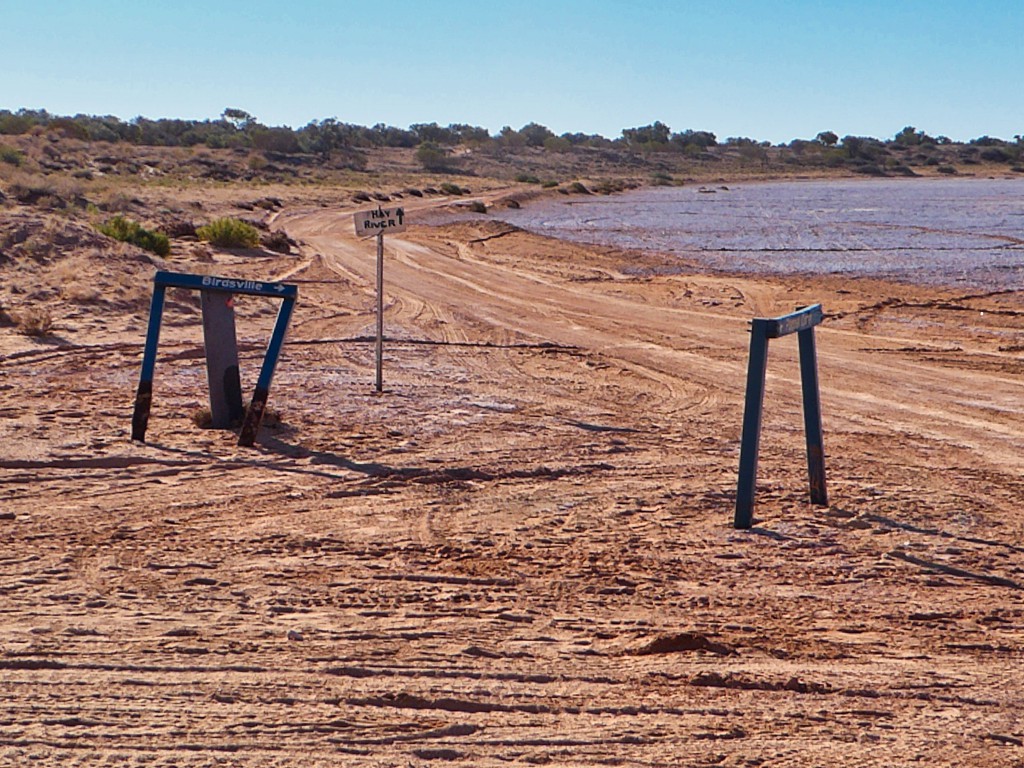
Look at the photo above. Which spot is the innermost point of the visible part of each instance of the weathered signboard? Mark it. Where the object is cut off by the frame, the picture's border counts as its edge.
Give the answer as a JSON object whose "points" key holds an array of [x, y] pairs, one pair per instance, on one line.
{"points": [[379, 221]]}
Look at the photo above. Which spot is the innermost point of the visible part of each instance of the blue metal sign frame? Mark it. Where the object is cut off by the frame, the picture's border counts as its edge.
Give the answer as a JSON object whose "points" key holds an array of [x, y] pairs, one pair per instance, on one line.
{"points": [[164, 280], [802, 322]]}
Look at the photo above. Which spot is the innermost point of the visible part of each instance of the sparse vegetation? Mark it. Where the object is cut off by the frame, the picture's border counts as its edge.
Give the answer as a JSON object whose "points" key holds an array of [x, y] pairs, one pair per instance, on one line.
{"points": [[34, 321], [11, 156], [448, 188], [128, 231], [432, 157], [229, 233], [270, 152]]}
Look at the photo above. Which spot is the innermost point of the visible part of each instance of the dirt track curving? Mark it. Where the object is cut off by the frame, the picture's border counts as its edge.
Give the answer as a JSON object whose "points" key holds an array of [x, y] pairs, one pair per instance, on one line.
{"points": [[521, 551]]}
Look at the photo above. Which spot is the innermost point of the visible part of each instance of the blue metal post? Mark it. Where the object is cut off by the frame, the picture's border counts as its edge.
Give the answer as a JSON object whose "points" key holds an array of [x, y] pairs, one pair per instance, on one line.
{"points": [[752, 410], [254, 415], [812, 417], [144, 395]]}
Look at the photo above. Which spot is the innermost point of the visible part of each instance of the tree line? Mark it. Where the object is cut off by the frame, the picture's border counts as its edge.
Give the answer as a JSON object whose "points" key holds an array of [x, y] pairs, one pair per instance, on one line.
{"points": [[236, 128]]}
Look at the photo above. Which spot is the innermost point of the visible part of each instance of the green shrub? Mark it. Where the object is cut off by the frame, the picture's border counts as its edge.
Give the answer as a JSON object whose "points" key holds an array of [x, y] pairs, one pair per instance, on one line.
{"points": [[128, 231], [432, 157], [549, 184], [229, 233], [448, 188], [10, 155], [527, 178]]}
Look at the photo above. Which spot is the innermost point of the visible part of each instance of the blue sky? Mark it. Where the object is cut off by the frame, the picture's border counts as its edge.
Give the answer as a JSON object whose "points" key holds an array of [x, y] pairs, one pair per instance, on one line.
{"points": [[772, 71]]}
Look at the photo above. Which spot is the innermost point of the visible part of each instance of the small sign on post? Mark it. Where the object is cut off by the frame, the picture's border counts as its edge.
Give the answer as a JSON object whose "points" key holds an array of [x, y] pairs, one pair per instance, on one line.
{"points": [[802, 323], [374, 224]]}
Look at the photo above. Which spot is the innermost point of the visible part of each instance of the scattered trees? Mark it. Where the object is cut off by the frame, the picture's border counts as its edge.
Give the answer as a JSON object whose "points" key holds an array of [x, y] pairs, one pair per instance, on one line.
{"points": [[331, 140]]}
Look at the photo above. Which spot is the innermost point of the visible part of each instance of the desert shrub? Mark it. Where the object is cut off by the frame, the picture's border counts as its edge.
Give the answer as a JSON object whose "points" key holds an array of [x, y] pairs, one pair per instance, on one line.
{"points": [[557, 144], [869, 169], [34, 322], [661, 179], [414, 192], [128, 231], [229, 233], [361, 197], [607, 186], [180, 228], [995, 155], [447, 188], [477, 206], [549, 184], [432, 157], [577, 188], [526, 178], [947, 169], [11, 156], [277, 241]]}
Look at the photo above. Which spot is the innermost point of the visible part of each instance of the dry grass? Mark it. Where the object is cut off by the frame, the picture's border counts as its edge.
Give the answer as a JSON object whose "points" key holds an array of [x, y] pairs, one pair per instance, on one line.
{"points": [[35, 321]]}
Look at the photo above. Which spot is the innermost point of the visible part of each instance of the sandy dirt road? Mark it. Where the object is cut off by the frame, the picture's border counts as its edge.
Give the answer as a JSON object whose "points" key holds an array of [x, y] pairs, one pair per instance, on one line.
{"points": [[521, 552]]}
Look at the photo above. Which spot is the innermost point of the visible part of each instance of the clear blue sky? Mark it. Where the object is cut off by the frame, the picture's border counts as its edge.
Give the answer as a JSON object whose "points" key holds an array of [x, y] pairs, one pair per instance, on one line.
{"points": [[771, 70]]}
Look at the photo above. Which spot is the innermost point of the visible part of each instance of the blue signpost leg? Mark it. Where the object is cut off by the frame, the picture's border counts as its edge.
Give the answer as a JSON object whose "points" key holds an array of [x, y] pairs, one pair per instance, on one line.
{"points": [[254, 415], [756, 370], [144, 395], [812, 417]]}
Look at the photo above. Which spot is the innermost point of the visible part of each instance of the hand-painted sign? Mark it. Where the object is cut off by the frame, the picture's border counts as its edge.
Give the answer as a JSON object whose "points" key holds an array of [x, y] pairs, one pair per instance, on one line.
{"points": [[375, 222]]}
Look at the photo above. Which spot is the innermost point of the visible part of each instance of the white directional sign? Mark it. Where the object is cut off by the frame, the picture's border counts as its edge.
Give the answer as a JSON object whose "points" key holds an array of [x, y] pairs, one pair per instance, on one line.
{"points": [[379, 221]]}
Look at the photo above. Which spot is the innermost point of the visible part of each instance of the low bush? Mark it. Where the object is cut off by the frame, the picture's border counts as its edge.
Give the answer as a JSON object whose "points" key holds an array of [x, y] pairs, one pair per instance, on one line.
{"points": [[432, 157], [128, 231], [36, 322], [277, 241], [447, 188], [526, 178], [11, 156], [229, 233]]}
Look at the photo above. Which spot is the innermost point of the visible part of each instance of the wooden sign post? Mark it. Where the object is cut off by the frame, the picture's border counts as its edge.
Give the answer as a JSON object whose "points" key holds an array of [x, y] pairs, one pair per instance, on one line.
{"points": [[375, 223]]}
